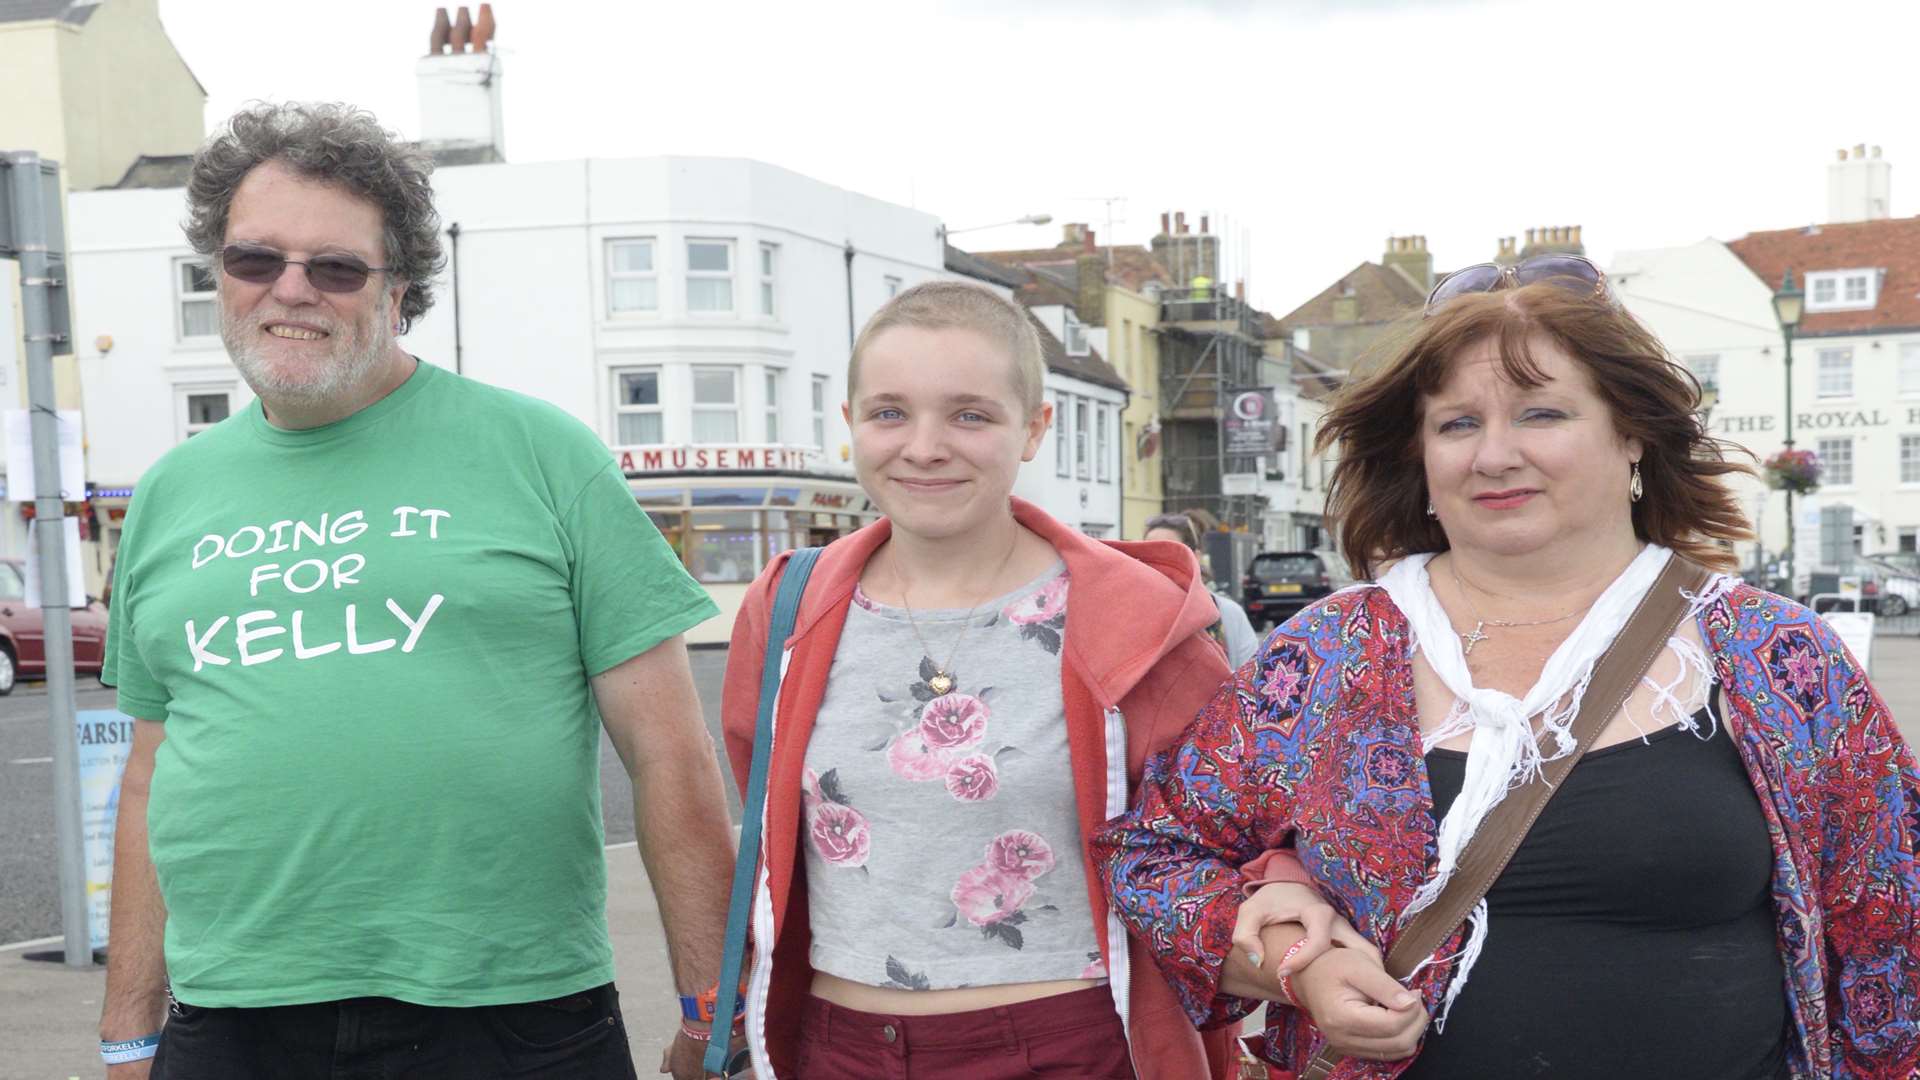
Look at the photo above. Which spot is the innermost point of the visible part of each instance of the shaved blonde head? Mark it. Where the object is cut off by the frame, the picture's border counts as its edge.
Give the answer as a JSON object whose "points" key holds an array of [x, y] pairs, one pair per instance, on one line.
{"points": [[956, 305]]}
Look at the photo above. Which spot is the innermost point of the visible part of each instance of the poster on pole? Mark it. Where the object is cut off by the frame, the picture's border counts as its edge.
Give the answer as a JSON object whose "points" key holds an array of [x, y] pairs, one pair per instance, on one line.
{"points": [[20, 479], [76, 579], [105, 742], [1247, 426]]}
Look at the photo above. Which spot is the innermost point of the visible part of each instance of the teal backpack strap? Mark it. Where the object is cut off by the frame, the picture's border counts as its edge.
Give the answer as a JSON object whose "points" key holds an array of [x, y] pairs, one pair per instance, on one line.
{"points": [[746, 866]]}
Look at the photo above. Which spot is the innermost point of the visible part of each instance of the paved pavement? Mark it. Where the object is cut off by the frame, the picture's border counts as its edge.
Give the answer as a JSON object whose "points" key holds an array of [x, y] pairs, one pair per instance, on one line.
{"points": [[48, 1014]]}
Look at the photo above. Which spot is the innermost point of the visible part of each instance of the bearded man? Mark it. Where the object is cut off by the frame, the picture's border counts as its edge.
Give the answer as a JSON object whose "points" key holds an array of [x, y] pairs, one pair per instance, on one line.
{"points": [[369, 629]]}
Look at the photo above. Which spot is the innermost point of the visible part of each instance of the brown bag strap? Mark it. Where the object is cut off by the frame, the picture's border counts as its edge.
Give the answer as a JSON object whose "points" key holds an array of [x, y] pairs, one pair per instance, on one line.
{"points": [[1619, 670]]}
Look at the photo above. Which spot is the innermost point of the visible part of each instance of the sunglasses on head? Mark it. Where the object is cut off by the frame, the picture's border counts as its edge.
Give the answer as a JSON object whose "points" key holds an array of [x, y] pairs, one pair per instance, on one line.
{"points": [[1571, 272], [328, 273]]}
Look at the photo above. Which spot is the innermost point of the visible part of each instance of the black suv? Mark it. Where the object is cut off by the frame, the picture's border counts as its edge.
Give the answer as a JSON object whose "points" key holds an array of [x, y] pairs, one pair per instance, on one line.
{"points": [[1280, 583]]}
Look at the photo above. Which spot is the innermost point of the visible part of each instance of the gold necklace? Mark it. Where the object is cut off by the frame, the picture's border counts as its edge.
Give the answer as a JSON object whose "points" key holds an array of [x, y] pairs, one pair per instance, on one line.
{"points": [[941, 681], [1480, 622]]}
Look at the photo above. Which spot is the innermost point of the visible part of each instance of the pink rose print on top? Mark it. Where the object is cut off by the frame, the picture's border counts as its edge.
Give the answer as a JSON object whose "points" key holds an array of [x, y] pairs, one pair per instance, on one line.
{"points": [[1096, 967], [1042, 605], [840, 835], [973, 779], [954, 722], [911, 758], [1020, 853], [986, 896]]}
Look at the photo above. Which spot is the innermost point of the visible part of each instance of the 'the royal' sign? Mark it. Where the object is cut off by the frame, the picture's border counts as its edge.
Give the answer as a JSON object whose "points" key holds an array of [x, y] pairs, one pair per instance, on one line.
{"points": [[645, 460]]}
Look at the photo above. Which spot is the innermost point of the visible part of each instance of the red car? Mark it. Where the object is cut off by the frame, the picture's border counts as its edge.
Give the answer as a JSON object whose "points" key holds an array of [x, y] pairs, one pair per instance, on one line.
{"points": [[23, 644]]}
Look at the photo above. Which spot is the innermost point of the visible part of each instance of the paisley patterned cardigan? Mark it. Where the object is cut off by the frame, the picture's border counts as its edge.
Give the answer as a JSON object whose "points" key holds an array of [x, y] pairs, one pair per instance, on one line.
{"points": [[1316, 743]]}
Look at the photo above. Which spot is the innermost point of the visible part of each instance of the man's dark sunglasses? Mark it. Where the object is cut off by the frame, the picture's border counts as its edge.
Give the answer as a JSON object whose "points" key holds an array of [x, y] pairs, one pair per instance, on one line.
{"points": [[328, 273], [1570, 272]]}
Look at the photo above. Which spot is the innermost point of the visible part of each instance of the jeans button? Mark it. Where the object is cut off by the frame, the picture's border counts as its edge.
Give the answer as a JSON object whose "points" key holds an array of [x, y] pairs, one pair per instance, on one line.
{"points": [[888, 1033]]}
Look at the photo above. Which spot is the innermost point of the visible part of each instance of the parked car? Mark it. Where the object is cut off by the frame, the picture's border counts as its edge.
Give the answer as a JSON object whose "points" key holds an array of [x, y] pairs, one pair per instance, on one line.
{"points": [[23, 641], [1890, 589], [1280, 583]]}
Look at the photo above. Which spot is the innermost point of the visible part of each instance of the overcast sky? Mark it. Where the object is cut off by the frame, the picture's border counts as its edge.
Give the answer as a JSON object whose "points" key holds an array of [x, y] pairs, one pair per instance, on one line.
{"points": [[1313, 128]]}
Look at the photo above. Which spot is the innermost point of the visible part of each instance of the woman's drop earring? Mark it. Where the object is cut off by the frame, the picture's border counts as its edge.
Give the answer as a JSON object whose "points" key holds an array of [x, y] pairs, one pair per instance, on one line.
{"points": [[1635, 489], [1431, 512]]}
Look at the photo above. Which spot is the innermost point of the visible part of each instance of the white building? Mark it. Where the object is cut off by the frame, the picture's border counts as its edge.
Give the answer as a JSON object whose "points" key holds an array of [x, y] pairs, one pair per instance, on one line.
{"points": [[1856, 356], [696, 312], [1077, 475]]}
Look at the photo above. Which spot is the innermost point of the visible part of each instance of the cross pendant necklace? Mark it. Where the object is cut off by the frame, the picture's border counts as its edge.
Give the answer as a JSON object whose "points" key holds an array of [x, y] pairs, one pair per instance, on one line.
{"points": [[1473, 637]]}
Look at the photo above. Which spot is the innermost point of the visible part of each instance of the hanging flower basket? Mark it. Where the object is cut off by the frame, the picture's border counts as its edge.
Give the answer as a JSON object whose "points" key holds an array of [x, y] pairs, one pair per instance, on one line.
{"points": [[1797, 471]]}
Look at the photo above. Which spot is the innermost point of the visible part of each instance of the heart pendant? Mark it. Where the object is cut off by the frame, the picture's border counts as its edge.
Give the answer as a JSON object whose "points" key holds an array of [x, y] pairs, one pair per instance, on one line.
{"points": [[940, 683]]}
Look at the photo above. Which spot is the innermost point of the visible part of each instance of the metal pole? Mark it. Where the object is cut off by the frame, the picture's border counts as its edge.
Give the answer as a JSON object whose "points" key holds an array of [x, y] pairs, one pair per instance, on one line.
{"points": [[49, 532], [1792, 564]]}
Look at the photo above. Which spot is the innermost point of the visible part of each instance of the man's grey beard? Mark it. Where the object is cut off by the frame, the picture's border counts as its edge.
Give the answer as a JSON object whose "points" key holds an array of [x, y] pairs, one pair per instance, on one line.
{"points": [[356, 350]]}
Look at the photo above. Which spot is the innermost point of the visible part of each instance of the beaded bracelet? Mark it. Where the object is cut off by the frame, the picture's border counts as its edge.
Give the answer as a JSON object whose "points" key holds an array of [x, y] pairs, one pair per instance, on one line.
{"points": [[122, 1051]]}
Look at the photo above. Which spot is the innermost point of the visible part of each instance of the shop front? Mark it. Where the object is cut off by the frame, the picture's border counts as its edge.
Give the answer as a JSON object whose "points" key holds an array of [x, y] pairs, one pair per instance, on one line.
{"points": [[728, 510]]}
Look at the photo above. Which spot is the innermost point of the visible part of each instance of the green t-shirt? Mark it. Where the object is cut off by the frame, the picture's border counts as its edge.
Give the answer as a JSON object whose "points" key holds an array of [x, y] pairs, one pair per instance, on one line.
{"points": [[370, 643]]}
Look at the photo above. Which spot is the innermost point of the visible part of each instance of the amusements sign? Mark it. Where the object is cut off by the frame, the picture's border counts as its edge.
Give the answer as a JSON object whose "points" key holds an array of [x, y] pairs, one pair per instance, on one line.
{"points": [[105, 741], [1247, 428]]}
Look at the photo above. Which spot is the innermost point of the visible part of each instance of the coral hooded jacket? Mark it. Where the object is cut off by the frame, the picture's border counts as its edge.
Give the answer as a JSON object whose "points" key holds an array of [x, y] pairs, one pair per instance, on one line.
{"points": [[1135, 667]]}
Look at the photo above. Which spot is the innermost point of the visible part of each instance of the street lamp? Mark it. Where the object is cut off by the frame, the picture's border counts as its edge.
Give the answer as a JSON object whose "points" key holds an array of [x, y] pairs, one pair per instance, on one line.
{"points": [[1030, 219], [1788, 303]]}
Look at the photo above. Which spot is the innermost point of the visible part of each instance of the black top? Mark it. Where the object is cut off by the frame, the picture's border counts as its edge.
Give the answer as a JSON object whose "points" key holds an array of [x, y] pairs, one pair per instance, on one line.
{"points": [[1632, 934]]}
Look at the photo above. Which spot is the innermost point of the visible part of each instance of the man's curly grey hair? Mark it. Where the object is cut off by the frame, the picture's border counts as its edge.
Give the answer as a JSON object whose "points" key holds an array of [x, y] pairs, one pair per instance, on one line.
{"points": [[338, 144]]}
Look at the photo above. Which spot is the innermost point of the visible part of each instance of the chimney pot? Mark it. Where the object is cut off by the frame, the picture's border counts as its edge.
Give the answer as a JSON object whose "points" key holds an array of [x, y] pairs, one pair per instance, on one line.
{"points": [[442, 27], [462, 30], [1166, 229], [1203, 224], [1576, 234], [1240, 291], [483, 28], [1859, 150], [1876, 151], [1843, 155], [1530, 233], [1180, 221], [1087, 240]]}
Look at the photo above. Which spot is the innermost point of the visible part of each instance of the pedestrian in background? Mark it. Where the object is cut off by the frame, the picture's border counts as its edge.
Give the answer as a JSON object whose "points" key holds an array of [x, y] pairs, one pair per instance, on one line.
{"points": [[970, 690], [1726, 886], [370, 629], [1234, 631]]}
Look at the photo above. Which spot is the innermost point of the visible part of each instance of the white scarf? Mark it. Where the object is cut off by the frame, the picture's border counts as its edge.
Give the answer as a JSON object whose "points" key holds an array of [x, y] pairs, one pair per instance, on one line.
{"points": [[1504, 751]]}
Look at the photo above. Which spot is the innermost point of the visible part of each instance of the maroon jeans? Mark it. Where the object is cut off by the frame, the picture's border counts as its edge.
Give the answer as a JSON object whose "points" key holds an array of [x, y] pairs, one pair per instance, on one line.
{"points": [[1074, 1035]]}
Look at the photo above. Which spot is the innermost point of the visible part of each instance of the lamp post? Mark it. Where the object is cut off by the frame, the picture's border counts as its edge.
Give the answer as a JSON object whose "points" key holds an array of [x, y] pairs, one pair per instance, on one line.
{"points": [[1788, 303]]}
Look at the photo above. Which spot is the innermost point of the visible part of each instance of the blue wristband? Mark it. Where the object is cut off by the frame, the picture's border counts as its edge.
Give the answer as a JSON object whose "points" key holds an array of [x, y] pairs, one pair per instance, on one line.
{"points": [[126, 1050]]}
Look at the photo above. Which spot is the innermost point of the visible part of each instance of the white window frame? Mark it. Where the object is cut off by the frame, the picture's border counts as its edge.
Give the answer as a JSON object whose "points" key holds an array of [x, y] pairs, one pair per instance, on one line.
{"points": [[1102, 444], [1706, 369], [183, 396], [182, 296], [614, 277], [621, 408], [733, 301], [1833, 380], [820, 412], [698, 408], [1063, 434], [774, 381], [1076, 336], [1832, 450], [1082, 438], [1910, 459], [1909, 373], [769, 280], [1827, 289]]}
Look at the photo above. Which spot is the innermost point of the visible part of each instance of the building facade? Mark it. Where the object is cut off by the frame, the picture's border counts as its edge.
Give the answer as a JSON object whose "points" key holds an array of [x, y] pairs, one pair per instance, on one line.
{"points": [[1855, 378]]}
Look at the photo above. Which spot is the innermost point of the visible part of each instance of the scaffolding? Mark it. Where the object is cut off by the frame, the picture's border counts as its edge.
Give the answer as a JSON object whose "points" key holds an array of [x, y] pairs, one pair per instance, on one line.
{"points": [[1209, 345]]}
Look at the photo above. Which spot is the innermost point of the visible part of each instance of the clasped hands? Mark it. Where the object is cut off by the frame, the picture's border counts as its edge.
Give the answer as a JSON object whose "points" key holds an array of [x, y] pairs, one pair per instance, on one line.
{"points": [[1339, 977]]}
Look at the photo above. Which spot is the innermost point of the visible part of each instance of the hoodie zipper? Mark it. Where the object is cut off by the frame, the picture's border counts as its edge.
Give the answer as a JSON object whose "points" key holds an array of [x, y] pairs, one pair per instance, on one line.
{"points": [[1119, 970]]}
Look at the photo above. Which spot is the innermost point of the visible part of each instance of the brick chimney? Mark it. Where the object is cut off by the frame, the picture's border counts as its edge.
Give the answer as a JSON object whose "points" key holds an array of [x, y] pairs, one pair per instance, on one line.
{"points": [[460, 82], [1553, 240], [1409, 255], [1187, 255]]}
